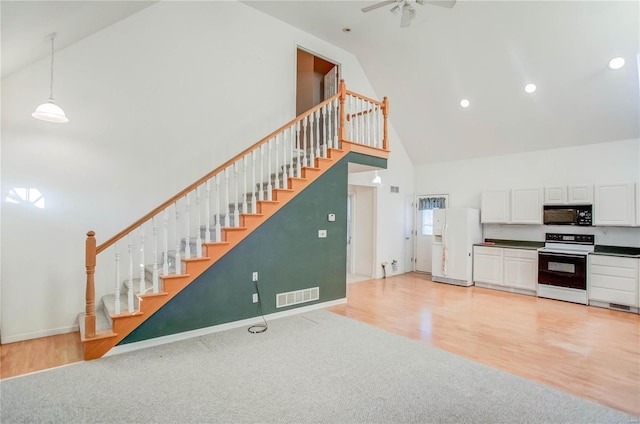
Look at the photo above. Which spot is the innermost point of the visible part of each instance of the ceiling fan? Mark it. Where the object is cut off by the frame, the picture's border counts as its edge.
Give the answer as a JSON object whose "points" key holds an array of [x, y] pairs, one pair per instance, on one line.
{"points": [[408, 12]]}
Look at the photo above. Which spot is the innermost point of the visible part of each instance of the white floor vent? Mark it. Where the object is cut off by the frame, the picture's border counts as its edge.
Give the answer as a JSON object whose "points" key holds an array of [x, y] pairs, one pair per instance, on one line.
{"points": [[298, 296]]}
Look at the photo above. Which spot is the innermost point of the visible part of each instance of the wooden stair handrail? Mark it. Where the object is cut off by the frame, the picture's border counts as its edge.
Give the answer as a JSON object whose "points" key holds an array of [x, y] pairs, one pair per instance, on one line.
{"points": [[92, 251], [203, 179]]}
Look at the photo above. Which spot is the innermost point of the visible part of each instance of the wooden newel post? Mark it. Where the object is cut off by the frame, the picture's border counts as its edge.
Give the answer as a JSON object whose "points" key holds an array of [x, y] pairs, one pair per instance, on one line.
{"points": [[90, 315], [342, 132], [385, 113]]}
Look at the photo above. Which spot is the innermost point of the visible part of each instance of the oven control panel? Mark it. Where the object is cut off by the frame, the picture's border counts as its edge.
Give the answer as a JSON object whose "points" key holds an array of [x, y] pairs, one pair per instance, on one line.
{"points": [[570, 238]]}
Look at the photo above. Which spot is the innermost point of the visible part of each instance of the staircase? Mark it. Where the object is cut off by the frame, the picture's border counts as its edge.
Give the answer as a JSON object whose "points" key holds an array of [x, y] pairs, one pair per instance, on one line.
{"points": [[163, 252]]}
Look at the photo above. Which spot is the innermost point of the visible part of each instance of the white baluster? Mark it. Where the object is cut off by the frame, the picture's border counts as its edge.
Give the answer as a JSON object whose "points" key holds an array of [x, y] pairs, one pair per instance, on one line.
{"points": [[298, 163], [325, 132], [326, 118], [187, 245], [142, 288], [305, 141], [218, 227], [236, 206], [207, 211], [349, 111], [254, 194], [130, 305], [312, 161], [261, 184], [376, 125], [118, 282], [165, 256], [285, 183], [336, 119], [269, 185], [155, 278], [177, 257], [199, 223], [227, 220], [277, 162], [245, 199], [292, 142], [317, 127]]}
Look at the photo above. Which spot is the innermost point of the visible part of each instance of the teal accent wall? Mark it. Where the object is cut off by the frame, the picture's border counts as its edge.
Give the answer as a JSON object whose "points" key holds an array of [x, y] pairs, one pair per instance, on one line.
{"points": [[285, 251]]}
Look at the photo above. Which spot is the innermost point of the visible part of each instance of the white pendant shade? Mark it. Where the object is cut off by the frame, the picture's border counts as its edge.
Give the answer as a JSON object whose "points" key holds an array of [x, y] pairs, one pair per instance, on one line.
{"points": [[50, 112]]}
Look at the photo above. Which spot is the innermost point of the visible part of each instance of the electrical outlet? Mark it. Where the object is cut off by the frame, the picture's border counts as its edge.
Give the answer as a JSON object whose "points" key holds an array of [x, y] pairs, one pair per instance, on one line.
{"points": [[255, 276], [322, 233], [255, 298]]}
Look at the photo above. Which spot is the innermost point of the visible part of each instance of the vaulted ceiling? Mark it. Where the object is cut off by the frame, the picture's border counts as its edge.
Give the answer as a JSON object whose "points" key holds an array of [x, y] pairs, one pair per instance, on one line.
{"points": [[483, 51]]}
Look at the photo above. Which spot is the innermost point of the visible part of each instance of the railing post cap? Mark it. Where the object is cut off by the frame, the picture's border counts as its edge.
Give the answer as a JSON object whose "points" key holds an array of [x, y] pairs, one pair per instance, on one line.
{"points": [[91, 234]]}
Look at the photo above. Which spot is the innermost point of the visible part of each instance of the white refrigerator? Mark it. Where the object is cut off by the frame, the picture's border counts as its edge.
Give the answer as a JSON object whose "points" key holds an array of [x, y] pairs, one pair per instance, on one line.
{"points": [[455, 231]]}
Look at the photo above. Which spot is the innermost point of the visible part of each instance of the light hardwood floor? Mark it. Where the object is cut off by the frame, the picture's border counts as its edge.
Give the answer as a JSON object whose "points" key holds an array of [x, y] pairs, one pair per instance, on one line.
{"points": [[590, 352]]}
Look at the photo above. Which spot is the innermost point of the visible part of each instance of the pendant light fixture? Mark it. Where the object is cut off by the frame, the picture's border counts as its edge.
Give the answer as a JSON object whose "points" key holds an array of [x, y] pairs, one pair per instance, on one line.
{"points": [[377, 179], [50, 111]]}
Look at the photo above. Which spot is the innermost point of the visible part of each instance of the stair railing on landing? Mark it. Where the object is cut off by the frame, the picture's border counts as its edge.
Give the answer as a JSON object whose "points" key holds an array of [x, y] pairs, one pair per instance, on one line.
{"points": [[164, 237]]}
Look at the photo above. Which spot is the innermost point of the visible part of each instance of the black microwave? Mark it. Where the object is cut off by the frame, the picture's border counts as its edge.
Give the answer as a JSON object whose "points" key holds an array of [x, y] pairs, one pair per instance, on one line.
{"points": [[568, 215]]}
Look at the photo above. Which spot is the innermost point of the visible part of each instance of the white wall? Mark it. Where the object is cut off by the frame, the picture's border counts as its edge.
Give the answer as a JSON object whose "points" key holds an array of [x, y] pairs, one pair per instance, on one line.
{"points": [[591, 164], [390, 207], [154, 101]]}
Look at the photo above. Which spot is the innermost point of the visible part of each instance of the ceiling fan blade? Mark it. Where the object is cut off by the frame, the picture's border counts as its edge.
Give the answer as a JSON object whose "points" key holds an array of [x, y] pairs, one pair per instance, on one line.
{"points": [[405, 20], [442, 3], [377, 5]]}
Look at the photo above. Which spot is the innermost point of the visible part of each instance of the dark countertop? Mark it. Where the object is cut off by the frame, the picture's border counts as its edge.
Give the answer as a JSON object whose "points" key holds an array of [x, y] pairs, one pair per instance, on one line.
{"points": [[512, 244], [626, 252]]}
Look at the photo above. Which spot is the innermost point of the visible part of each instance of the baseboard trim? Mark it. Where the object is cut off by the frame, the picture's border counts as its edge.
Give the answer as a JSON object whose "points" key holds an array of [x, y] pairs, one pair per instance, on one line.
{"points": [[38, 334], [131, 347]]}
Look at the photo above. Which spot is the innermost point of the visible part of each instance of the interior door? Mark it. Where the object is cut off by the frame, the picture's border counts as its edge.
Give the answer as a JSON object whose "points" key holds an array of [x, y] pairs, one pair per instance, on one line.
{"points": [[424, 232], [331, 83]]}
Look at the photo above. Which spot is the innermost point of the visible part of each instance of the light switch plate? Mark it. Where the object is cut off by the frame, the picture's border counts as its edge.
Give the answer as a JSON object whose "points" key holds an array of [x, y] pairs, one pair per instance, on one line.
{"points": [[322, 233], [331, 217]]}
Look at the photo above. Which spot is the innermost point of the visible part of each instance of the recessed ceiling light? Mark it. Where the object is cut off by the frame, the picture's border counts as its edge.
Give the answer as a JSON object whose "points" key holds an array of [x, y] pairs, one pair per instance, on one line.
{"points": [[616, 63], [530, 88], [464, 103]]}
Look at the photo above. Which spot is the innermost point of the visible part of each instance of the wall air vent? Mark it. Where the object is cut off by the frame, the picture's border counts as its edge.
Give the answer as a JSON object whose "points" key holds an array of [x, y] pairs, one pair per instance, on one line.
{"points": [[295, 297], [395, 189], [620, 307]]}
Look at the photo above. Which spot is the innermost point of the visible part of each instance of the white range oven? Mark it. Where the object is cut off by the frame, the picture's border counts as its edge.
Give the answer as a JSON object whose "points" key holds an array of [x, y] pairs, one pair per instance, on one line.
{"points": [[562, 267]]}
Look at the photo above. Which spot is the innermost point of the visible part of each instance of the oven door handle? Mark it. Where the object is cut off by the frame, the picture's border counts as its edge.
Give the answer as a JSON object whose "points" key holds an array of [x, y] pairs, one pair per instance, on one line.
{"points": [[561, 255]]}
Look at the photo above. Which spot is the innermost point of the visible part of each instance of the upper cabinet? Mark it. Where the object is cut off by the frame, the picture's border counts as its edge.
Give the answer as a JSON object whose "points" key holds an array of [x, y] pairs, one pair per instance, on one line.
{"points": [[638, 204], [521, 206], [495, 207], [571, 195], [580, 195], [526, 206], [615, 204]]}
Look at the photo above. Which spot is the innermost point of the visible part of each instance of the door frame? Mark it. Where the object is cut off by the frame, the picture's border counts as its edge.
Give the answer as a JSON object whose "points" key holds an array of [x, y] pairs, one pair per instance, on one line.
{"points": [[417, 221], [295, 67]]}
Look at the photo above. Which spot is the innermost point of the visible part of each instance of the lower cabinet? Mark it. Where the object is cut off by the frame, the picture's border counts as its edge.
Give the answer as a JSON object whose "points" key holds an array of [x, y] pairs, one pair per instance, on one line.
{"points": [[613, 280], [508, 269]]}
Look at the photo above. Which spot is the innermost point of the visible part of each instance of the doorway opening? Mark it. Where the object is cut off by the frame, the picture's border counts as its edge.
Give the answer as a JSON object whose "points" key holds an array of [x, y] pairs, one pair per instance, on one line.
{"points": [[361, 234], [316, 80], [425, 205]]}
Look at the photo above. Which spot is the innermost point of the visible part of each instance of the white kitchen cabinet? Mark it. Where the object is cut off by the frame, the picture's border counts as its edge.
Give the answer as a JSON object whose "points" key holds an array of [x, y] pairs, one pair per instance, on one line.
{"points": [[555, 195], [580, 195], [568, 195], [614, 204], [487, 265], [526, 206], [638, 204], [506, 269], [614, 280], [495, 207], [521, 269]]}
